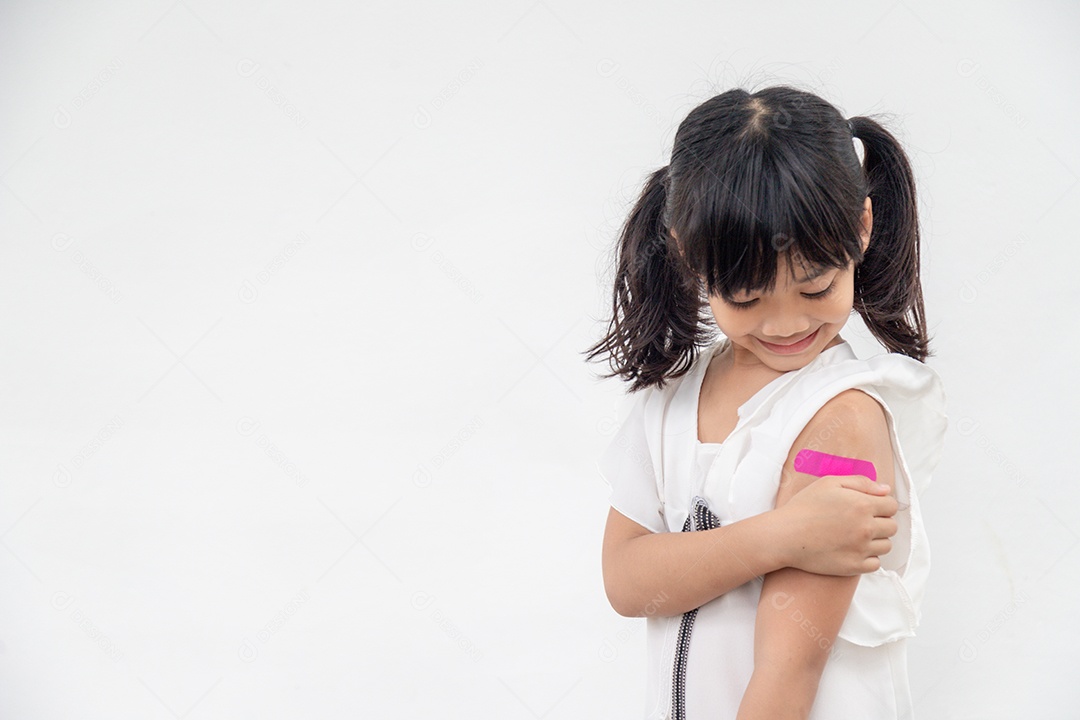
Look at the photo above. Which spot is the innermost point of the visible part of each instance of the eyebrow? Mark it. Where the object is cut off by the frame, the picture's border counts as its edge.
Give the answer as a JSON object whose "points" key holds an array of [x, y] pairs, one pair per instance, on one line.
{"points": [[816, 274], [811, 276]]}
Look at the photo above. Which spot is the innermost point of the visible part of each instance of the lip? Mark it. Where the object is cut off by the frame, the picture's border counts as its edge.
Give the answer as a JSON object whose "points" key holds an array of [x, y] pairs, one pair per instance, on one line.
{"points": [[795, 347]]}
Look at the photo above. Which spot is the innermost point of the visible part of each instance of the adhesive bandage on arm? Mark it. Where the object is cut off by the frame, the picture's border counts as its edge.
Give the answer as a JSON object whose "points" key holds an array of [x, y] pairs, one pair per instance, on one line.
{"points": [[820, 464]]}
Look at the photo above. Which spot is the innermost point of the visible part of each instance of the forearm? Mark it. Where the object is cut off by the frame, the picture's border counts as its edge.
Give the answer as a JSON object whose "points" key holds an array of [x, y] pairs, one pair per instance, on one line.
{"points": [[799, 616], [770, 696], [667, 574]]}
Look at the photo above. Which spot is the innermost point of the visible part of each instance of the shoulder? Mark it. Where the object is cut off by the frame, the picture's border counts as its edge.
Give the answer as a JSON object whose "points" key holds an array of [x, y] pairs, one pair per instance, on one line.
{"points": [[850, 424], [851, 420], [852, 403]]}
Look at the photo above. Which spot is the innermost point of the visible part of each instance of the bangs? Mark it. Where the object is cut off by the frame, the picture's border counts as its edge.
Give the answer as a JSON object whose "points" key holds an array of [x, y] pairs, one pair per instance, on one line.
{"points": [[747, 211]]}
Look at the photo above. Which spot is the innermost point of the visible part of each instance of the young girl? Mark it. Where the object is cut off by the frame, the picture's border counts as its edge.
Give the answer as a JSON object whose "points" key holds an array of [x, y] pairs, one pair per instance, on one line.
{"points": [[771, 589]]}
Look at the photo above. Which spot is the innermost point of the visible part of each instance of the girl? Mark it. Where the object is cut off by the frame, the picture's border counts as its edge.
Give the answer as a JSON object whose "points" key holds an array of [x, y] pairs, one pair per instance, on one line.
{"points": [[772, 590]]}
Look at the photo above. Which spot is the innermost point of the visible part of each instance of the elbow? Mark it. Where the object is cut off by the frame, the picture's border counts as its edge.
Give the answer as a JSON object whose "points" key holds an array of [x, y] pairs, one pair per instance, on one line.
{"points": [[617, 597], [632, 604], [616, 586], [631, 590], [634, 609], [622, 608], [612, 596]]}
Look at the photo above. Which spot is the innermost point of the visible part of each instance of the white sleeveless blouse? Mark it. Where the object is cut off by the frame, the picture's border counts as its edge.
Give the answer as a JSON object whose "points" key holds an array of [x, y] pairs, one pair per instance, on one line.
{"points": [[655, 466]]}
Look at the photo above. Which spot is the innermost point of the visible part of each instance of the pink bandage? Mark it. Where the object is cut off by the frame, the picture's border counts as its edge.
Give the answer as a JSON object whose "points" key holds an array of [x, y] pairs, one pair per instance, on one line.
{"points": [[820, 464]]}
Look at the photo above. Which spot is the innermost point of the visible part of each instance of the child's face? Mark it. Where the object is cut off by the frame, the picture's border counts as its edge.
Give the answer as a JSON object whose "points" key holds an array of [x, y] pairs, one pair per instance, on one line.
{"points": [[787, 316]]}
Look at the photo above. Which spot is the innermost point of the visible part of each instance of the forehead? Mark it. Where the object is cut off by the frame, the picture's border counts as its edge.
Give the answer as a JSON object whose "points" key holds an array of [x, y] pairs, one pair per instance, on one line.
{"points": [[799, 267], [796, 268], [790, 269]]}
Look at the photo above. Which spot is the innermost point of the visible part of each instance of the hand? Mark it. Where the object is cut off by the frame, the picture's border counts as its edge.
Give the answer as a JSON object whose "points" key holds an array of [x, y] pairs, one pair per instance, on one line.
{"points": [[839, 525]]}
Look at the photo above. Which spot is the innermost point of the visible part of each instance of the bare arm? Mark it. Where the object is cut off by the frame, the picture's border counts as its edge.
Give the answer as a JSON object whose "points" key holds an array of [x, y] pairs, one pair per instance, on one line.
{"points": [[666, 574], [837, 526], [800, 613]]}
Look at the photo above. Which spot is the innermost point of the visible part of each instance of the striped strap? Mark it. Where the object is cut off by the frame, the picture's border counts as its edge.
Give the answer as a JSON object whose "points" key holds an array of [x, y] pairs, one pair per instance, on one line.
{"points": [[700, 518]]}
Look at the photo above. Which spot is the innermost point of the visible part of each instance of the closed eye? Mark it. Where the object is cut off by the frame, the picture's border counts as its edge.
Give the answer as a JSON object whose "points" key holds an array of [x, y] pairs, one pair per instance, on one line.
{"points": [[813, 296], [821, 294]]}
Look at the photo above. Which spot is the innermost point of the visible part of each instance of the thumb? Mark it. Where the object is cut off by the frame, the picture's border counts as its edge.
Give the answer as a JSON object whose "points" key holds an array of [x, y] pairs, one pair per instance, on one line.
{"points": [[863, 484]]}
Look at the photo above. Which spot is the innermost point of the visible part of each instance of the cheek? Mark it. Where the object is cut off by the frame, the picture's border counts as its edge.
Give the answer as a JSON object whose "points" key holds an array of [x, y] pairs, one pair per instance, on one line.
{"points": [[841, 301], [726, 317], [719, 309]]}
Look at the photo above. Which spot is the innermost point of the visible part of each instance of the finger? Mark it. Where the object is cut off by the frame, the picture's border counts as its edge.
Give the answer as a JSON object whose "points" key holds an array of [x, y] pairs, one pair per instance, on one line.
{"points": [[885, 507], [861, 483], [884, 527], [881, 547]]}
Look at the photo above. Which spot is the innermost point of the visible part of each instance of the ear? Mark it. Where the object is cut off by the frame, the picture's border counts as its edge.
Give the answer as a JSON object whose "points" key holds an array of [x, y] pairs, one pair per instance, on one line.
{"points": [[867, 222]]}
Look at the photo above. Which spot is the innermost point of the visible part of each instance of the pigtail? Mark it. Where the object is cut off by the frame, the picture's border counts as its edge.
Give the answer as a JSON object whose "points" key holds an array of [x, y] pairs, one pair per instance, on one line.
{"points": [[888, 293], [657, 304]]}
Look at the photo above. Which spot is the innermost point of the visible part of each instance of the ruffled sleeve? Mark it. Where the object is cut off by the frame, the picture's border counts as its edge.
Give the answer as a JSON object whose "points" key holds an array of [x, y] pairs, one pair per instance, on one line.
{"points": [[627, 466], [887, 602]]}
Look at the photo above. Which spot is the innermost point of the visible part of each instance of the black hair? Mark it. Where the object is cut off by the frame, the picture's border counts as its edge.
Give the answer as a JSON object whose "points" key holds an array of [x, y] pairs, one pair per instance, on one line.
{"points": [[753, 177]]}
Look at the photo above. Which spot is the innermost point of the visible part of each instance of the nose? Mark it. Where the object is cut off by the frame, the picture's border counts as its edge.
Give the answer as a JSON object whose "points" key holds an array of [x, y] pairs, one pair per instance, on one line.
{"points": [[784, 330]]}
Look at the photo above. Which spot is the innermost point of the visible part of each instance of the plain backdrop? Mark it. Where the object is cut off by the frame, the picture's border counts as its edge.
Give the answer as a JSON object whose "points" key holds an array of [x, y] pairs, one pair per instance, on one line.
{"points": [[295, 415]]}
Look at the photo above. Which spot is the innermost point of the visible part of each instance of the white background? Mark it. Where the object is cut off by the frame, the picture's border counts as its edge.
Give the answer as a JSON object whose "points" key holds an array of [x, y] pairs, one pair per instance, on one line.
{"points": [[295, 416]]}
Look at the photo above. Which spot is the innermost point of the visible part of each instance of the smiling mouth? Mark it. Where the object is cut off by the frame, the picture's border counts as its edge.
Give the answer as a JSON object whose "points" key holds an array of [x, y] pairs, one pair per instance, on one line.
{"points": [[793, 342], [792, 347]]}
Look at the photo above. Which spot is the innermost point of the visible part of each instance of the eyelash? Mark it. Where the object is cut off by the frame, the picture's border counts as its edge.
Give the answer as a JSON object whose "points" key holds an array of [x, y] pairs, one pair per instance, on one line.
{"points": [[812, 296]]}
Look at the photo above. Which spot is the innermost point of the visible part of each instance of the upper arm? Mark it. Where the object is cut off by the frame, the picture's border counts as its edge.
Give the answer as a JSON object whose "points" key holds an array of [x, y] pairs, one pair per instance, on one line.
{"points": [[618, 531], [800, 613]]}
